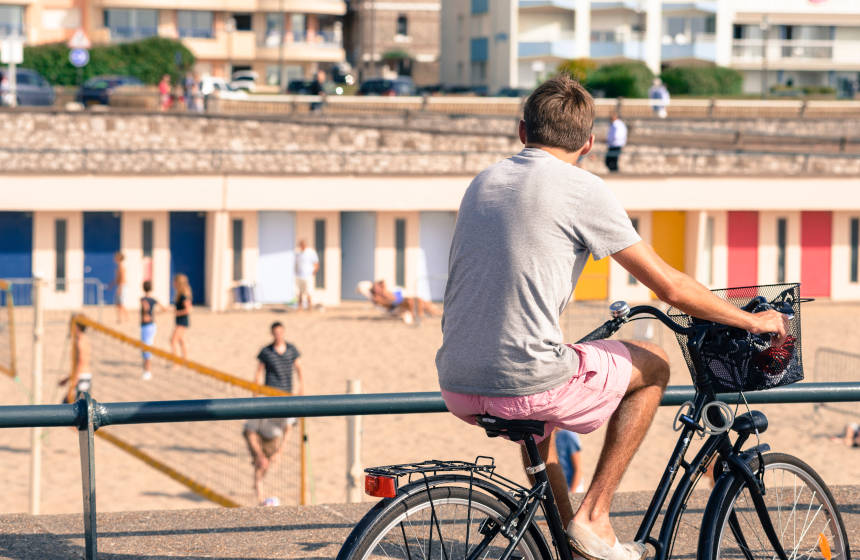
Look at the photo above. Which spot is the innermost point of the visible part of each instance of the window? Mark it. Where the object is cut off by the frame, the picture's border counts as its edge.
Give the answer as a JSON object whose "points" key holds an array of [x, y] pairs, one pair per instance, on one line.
{"points": [[298, 24], [479, 49], [480, 6], [60, 254], [11, 21], [855, 247], [738, 31], [146, 236], [319, 246], [242, 22], [400, 252], [237, 250], [131, 24], [402, 25], [274, 29], [781, 224], [197, 24]]}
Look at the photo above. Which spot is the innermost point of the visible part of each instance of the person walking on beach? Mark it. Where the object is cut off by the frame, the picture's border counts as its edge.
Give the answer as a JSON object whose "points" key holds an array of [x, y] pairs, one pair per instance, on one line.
{"points": [[183, 312], [121, 294], [276, 363], [526, 227], [81, 378], [569, 449], [615, 141], [148, 306], [307, 264], [164, 93]]}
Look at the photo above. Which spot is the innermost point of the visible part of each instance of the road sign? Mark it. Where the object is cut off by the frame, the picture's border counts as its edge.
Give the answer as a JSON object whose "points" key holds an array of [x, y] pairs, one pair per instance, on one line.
{"points": [[11, 51], [79, 57], [79, 40]]}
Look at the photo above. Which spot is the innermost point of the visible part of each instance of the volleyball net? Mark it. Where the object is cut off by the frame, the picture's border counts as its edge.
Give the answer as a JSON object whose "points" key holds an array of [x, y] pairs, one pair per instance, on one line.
{"points": [[837, 366], [7, 330], [210, 458]]}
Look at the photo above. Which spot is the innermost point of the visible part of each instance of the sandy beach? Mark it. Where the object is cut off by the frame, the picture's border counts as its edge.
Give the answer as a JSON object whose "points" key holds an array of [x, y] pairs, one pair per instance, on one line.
{"points": [[357, 342]]}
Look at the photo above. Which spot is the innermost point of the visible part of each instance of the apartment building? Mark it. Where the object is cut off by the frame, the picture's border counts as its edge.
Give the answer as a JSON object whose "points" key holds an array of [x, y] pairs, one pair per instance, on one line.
{"points": [[398, 38], [515, 43], [276, 38]]}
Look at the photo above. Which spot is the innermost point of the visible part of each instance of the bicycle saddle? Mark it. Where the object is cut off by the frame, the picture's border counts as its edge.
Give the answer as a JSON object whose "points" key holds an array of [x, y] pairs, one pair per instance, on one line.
{"points": [[515, 430], [750, 422]]}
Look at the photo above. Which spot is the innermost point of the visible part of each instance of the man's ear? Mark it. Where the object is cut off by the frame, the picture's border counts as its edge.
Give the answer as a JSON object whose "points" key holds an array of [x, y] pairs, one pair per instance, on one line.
{"points": [[588, 145], [522, 131]]}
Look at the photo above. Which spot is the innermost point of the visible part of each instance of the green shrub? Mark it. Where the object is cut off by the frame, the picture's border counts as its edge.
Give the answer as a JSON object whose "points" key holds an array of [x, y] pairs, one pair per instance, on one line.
{"points": [[625, 79], [148, 60], [702, 80], [578, 68]]}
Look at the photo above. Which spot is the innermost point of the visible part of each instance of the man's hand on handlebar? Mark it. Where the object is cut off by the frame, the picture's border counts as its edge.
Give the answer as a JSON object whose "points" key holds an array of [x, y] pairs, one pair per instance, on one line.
{"points": [[771, 321]]}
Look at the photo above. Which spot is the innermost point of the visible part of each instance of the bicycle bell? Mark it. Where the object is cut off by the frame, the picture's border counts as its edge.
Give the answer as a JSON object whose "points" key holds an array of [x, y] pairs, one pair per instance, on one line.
{"points": [[619, 309]]}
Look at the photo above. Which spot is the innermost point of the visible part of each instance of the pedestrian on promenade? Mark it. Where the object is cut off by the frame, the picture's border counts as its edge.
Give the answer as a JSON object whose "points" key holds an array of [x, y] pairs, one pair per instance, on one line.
{"points": [[307, 265], [615, 141], [568, 448], [275, 366], [121, 294], [659, 96], [148, 306], [80, 380], [183, 312], [188, 91], [164, 93]]}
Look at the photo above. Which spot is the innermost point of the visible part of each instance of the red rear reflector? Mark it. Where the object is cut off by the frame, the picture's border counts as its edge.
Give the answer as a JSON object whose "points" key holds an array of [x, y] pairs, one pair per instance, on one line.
{"points": [[379, 486]]}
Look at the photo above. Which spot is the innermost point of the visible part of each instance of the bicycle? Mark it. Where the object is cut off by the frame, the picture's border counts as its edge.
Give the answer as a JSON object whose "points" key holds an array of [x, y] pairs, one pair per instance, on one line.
{"points": [[763, 505]]}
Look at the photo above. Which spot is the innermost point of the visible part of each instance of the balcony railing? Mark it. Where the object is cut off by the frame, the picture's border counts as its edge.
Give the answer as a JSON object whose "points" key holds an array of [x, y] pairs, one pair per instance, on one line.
{"points": [[323, 38], [750, 50], [556, 49]]}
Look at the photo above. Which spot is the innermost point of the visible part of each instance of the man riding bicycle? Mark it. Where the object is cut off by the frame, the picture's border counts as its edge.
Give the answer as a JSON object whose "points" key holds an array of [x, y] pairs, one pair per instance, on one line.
{"points": [[524, 232]]}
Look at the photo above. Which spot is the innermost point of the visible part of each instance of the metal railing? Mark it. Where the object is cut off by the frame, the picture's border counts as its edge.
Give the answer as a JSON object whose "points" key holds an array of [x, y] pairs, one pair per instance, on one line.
{"points": [[88, 416]]}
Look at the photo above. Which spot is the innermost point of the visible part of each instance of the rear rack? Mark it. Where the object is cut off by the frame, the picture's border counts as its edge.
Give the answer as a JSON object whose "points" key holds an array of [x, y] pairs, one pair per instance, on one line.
{"points": [[481, 467], [434, 466]]}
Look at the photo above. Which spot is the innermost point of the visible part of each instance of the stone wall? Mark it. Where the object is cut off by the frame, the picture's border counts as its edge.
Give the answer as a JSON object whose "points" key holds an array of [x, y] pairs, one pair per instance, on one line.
{"points": [[115, 143]]}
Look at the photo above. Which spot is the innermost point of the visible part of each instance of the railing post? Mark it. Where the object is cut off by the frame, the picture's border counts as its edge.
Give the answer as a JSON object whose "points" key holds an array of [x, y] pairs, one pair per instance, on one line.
{"points": [[86, 429], [36, 433], [354, 488]]}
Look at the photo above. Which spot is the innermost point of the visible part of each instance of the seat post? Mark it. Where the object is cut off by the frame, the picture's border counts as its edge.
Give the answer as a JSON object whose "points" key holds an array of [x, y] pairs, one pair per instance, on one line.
{"points": [[553, 518]]}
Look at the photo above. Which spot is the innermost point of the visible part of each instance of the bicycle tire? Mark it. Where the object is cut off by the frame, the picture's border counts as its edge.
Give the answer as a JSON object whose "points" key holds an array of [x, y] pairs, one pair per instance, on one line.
{"points": [[412, 524], [802, 509]]}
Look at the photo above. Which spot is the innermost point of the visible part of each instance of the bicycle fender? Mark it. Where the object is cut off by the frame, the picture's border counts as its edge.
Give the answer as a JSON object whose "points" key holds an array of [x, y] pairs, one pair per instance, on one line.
{"points": [[383, 506], [721, 490]]}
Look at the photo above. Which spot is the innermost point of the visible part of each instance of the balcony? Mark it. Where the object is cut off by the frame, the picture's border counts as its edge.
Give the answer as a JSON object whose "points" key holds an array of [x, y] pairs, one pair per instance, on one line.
{"points": [[698, 50], [633, 50], [797, 54], [322, 46], [561, 49], [547, 5], [332, 7]]}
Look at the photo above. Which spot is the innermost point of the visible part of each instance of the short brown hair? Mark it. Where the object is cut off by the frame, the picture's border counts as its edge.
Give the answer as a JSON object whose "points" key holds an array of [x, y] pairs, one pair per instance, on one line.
{"points": [[559, 114]]}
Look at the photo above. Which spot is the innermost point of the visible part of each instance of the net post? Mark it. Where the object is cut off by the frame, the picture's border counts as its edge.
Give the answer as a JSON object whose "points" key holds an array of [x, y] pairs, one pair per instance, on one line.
{"points": [[86, 430], [354, 489], [36, 433], [303, 462], [10, 306]]}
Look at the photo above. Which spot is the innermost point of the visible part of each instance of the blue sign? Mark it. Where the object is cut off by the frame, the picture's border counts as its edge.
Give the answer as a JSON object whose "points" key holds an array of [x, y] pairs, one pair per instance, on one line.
{"points": [[79, 57]]}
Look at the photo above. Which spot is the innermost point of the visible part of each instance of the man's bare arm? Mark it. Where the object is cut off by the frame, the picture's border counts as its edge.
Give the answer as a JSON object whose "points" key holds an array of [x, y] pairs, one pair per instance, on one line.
{"points": [[683, 292], [300, 382], [258, 375]]}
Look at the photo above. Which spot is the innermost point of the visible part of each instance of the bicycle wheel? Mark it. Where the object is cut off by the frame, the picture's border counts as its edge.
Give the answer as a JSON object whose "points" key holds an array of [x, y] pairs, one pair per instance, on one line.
{"points": [[801, 507], [446, 523]]}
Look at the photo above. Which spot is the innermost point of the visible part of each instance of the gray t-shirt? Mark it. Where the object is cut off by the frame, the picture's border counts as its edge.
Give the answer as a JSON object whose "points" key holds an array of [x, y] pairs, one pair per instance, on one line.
{"points": [[524, 233]]}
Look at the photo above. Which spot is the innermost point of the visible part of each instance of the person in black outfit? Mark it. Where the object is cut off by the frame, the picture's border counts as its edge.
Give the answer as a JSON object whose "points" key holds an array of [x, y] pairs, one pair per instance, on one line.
{"points": [[183, 311], [265, 437]]}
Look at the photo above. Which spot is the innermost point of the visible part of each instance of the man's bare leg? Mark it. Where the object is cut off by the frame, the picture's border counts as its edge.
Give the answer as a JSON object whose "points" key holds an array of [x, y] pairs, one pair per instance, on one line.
{"points": [[557, 481], [625, 432]]}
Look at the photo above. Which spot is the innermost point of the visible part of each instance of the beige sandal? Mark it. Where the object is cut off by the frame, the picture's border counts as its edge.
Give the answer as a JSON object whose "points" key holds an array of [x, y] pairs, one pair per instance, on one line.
{"points": [[585, 543]]}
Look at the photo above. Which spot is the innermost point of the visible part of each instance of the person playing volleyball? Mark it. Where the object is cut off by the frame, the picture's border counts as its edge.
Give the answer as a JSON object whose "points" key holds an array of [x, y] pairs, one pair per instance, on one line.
{"points": [[525, 229]]}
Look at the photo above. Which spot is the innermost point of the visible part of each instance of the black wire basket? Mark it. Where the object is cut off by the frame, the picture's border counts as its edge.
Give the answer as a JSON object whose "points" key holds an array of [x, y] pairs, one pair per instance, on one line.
{"points": [[737, 360]]}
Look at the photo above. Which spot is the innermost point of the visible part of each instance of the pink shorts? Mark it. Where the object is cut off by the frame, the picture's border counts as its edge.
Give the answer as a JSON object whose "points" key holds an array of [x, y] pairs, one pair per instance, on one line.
{"points": [[581, 405]]}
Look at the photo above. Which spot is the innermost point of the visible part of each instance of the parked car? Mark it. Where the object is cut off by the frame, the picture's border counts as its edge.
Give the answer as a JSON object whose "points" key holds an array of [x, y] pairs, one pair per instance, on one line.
{"points": [[212, 85], [31, 88], [244, 79], [302, 87], [97, 90], [401, 85], [514, 92]]}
